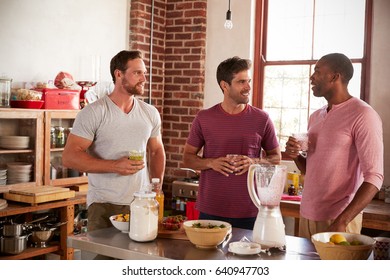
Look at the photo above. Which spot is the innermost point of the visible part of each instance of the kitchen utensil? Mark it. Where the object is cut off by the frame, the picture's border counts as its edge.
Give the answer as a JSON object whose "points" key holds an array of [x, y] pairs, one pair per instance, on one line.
{"points": [[85, 87], [265, 187], [13, 245], [40, 238], [12, 230]]}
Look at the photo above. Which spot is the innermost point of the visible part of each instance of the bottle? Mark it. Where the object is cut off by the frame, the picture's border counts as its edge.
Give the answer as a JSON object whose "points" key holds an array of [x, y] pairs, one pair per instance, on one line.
{"points": [[144, 217], [157, 188], [60, 141], [53, 138], [291, 190]]}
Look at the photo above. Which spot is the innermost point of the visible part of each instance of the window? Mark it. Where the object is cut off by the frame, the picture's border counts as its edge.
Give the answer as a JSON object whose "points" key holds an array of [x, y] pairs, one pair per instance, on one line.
{"points": [[290, 37]]}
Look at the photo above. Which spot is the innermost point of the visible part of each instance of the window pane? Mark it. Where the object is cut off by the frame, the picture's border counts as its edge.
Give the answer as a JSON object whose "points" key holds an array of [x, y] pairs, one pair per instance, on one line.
{"points": [[339, 27], [286, 90], [355, 83], [289, 34]]}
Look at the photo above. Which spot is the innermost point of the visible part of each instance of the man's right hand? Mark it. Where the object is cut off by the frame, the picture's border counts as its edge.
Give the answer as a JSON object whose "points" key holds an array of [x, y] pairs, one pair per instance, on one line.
{"points": [[292, 147], [126, 166]]}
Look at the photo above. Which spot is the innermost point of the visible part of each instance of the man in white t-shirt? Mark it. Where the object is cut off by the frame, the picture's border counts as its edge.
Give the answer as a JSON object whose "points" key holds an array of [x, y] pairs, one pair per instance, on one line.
{"points": [[104, 133]]}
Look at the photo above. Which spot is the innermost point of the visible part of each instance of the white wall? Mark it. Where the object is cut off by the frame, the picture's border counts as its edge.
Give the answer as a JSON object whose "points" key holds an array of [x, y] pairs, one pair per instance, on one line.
{"points": [[40, 38], [223, 43]]}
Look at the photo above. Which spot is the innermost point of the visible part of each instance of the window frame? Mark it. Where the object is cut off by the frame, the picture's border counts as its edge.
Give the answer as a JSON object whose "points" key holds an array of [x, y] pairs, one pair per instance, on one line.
{"points": [[260, 40]]}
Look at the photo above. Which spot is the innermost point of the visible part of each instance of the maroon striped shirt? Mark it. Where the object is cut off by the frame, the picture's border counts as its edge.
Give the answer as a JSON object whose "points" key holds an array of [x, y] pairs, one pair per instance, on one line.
{"points": [[220, 133]]}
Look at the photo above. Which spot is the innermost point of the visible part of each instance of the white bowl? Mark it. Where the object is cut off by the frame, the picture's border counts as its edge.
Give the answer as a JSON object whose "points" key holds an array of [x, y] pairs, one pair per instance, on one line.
{"points": [[122, 226], [14, 142], [328, 251]]}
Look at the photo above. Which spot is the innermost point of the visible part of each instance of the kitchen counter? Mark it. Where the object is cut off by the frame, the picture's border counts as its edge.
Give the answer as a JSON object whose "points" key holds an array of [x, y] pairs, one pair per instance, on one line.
{"points": [[375, 216], [113, 243]]}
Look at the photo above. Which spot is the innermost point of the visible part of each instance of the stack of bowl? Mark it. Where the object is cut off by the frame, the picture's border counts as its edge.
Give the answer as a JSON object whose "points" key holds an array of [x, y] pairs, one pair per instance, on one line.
{"points": [[3, 175], [18, 172], [14, 142]]}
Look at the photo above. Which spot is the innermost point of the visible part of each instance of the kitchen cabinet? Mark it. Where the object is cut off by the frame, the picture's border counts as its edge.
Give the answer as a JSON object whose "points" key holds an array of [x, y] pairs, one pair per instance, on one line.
{"points": [[54, 173], [37, 124], [21, 122], [66, 213]]}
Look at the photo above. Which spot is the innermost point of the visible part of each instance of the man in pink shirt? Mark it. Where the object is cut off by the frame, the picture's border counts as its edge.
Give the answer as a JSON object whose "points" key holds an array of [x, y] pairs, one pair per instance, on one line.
{"points": [[344, 165]]}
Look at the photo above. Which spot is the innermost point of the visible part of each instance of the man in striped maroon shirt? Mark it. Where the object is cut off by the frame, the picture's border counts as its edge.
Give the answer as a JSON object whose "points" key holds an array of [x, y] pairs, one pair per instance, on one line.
{"points": [[230, 127]]}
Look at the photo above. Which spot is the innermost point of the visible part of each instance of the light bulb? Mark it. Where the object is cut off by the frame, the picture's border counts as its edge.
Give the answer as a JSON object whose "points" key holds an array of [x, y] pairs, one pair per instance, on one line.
{"points": [[228, 23]]}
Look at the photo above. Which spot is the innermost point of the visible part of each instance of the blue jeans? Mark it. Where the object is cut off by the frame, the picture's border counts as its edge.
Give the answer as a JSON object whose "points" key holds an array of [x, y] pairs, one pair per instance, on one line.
{"points": [[245, 223]]}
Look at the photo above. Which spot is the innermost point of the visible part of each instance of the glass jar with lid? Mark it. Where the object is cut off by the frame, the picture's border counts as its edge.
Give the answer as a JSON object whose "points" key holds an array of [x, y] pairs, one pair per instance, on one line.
{"points": [[5, 91], [144, 216], [53, 138], [60, 134]]}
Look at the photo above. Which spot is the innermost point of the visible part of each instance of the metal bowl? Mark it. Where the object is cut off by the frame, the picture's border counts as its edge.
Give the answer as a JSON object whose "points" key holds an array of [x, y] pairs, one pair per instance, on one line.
{"points": [[41, 238]]}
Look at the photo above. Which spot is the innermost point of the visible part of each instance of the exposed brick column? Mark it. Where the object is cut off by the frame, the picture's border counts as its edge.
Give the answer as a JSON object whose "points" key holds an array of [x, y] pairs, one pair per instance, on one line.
{"points": [[178, 64], [184, 75], [140, 21]]}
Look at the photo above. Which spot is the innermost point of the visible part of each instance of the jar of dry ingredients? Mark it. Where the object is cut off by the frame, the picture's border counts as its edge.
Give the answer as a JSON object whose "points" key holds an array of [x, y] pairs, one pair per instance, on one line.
{"points": [[144, 217], [5, 91]]}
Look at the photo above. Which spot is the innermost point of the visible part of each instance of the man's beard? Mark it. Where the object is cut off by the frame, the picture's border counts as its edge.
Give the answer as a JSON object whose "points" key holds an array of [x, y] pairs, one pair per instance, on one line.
{"points": [[138, 89]]}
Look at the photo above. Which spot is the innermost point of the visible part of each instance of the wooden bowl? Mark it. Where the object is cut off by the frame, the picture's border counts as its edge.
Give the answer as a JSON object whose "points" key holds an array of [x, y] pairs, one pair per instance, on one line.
{"points": [[329, 251]]}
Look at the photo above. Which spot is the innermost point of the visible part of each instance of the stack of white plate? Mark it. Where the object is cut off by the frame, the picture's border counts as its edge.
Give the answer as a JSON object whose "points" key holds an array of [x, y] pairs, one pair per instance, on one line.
{"points": [[18, 172], [3, 176], [3, 204], [14, 142]]}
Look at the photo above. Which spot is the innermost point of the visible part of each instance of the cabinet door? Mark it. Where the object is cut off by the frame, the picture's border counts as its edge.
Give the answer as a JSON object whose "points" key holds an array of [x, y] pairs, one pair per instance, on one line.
{"points": [[26, 123], [54, 172]]}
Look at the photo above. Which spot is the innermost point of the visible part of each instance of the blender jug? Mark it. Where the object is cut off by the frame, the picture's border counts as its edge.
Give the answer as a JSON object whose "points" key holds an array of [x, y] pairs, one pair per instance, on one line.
{"points": [[265, 187], [5, 92]]}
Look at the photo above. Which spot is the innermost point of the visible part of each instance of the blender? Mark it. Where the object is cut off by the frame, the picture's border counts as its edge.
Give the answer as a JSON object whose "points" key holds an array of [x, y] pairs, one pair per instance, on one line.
{"points": [[265, 187]]}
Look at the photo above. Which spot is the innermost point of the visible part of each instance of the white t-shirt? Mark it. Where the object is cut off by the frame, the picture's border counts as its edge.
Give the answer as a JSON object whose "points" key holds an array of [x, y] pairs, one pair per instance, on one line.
{"points": [[114, 134]]}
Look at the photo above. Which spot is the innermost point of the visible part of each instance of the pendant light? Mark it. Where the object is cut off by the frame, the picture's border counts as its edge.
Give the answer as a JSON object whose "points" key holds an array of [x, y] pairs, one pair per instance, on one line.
{"points": [[228, 23]]}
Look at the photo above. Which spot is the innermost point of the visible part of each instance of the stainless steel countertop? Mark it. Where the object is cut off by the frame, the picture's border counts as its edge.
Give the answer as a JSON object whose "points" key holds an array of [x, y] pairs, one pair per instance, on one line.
{"points": [[113, 243]]}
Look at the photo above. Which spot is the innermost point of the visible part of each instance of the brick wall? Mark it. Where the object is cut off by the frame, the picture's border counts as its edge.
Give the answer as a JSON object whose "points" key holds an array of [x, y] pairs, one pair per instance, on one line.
{"points": [[178, 68]]}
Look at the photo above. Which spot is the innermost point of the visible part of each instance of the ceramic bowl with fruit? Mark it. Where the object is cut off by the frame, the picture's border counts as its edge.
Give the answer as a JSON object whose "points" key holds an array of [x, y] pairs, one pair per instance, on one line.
{"points": [[207, 233], [121, 222], [173, 222], [342, 245]]}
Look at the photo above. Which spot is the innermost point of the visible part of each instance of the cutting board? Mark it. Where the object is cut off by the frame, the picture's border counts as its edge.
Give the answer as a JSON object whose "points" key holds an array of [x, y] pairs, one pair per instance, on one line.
{"points": [[35, 195], [172, 234]]}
